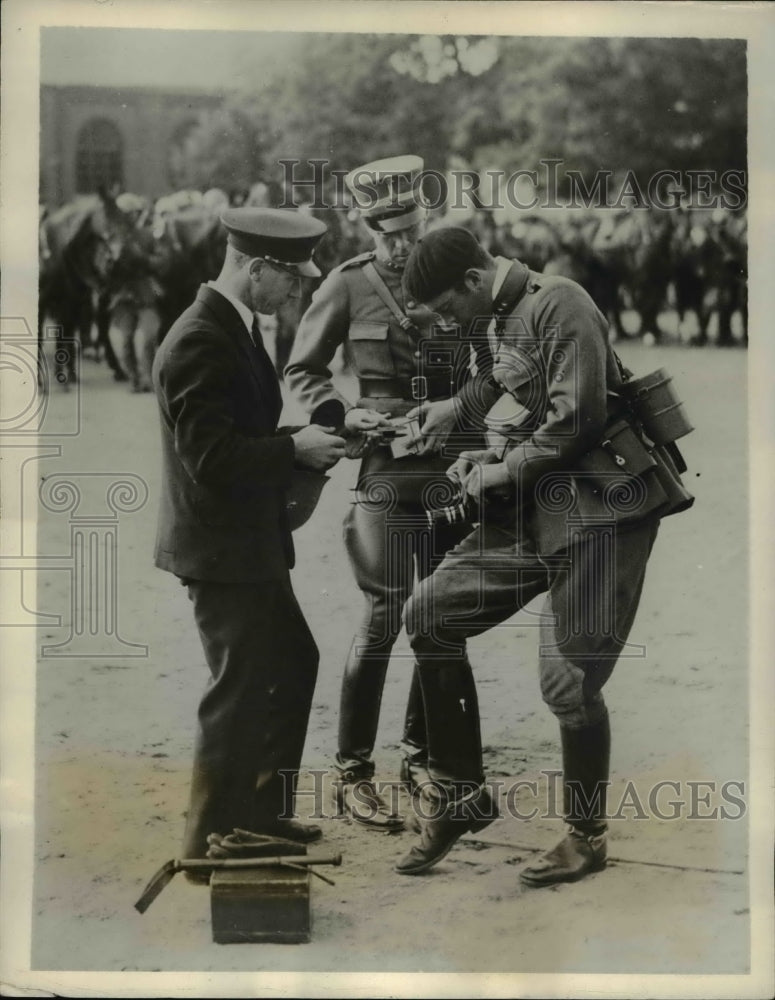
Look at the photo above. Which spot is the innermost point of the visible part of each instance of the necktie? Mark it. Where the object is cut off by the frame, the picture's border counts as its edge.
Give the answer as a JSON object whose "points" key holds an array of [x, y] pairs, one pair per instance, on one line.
{"points": [[266, 365]]}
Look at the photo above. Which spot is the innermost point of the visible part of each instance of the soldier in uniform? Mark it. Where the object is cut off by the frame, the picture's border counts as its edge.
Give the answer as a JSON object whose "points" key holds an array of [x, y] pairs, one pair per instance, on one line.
{"points": [[133, 296], [224, 529], [361, 305], [586, 494]]}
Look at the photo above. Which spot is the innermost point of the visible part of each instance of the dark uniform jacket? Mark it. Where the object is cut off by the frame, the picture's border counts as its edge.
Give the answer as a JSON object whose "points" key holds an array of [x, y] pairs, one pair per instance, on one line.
{"points": [[346, 310], [225, 464], [555, 420]]}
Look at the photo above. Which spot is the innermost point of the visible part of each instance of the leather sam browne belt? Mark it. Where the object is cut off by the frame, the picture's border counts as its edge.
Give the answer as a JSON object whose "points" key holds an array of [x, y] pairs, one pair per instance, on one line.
{"points": [[418, 388]]}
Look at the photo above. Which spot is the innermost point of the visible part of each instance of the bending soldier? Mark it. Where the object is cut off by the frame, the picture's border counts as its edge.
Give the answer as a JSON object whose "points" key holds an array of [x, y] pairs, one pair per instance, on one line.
{"points": [[586, 494], [361, 306]]}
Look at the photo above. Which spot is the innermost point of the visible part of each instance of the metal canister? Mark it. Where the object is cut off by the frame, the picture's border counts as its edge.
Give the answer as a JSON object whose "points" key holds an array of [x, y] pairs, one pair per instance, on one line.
{"points": [[656, 404]]}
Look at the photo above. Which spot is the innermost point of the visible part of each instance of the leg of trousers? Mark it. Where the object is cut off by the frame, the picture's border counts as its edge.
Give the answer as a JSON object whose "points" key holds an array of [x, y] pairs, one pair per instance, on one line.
{"points": [[121, 332], [146, 341], [482, 582], [589, 611], [387, 553], [489, 577], [254, 713]]}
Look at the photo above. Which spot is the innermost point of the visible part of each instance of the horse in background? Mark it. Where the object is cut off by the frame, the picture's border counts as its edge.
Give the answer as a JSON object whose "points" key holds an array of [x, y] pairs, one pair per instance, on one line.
{"points": [[175, 245], [710, 271], [78, 246], [189, 247]]}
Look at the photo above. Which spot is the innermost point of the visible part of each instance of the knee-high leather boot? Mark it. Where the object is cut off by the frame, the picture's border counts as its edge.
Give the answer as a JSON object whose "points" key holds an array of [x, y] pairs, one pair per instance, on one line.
{"points": [[452, 721], [455, 801], [585, 756], [359, 706]]}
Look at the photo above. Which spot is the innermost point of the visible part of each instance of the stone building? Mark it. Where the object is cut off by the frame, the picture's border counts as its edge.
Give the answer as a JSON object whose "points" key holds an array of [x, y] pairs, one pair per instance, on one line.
{"points": [[129, 137]]}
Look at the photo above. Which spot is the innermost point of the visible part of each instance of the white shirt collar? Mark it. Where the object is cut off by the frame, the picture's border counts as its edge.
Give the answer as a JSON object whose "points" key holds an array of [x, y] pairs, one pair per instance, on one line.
{"points": [[242, 309], [503, 267]]}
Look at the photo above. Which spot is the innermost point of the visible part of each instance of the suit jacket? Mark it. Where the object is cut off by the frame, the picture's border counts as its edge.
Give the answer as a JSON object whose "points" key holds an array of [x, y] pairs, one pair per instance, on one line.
{"points": [[225, 465]]}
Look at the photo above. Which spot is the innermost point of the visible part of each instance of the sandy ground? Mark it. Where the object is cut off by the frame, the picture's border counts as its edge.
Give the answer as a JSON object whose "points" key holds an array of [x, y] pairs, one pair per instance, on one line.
{"points": [[114, 739]]}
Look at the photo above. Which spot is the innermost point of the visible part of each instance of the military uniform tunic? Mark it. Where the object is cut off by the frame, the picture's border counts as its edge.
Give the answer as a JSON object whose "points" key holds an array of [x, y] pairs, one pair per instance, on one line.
{"points": [[386, 532]]}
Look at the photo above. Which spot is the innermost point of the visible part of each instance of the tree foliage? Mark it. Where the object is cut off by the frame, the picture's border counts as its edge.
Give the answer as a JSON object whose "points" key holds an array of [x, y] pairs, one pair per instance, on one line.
{"points": [[639, 104]]}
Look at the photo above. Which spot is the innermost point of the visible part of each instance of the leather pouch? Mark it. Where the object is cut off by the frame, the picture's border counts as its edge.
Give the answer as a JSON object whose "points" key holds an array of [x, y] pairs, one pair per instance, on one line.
{"points": [[621, 450]]}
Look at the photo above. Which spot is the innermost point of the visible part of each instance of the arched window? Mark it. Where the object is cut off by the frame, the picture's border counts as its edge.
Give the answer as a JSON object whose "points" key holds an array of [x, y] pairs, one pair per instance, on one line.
{"points": [[99, 157]]}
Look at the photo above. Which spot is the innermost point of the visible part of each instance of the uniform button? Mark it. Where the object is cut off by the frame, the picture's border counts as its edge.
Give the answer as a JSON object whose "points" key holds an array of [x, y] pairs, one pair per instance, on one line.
{"points": [[410, 304], [418, 354]]}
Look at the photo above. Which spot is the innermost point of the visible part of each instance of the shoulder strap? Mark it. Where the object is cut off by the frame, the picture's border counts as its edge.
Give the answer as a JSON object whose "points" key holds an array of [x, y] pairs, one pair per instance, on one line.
{"points": [[385, 294], [511, 291], [356, 261], [624, 373]]}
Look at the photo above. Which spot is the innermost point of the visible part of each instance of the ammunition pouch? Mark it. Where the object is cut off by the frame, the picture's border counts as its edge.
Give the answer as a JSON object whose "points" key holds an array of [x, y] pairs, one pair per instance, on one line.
{"points": [[628, 477]]}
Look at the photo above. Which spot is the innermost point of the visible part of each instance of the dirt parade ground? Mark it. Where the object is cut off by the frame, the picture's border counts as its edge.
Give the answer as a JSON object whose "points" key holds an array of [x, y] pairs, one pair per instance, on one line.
{"points": [[115, 727]]}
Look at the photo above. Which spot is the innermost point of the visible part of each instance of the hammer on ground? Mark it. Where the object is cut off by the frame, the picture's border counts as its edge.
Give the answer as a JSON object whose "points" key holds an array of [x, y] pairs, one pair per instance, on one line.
{"points": [[168, 871]]}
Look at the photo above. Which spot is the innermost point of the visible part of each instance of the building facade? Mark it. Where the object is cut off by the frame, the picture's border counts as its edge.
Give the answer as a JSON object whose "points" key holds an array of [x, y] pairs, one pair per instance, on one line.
{"points": [[130, 138]]}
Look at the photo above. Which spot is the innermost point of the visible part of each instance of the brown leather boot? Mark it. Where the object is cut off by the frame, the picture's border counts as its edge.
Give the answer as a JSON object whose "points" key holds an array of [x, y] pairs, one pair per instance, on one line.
{"points": [[443, 823], [585, 756], [359, 798], [575, 856]]}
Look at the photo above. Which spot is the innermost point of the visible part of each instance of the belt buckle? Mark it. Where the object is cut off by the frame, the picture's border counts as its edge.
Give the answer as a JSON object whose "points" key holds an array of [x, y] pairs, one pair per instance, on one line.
{"points": [[419, 387]]}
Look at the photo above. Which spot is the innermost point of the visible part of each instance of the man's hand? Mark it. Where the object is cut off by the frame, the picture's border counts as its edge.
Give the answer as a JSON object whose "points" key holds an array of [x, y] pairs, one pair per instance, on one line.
{"points": [[486, 478], [437, 421], [317, 447], [479, 471], [363, 430], [468, 460], [362, 421]]}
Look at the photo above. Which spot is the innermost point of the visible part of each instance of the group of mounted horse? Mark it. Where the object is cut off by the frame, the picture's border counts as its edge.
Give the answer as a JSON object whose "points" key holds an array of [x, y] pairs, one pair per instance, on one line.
{"points": [[115, 271], [642, 261]]}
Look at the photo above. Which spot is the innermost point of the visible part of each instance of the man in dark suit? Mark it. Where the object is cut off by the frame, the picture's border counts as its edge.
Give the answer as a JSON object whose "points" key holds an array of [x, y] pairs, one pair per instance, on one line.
{"points": [[223, 529]]}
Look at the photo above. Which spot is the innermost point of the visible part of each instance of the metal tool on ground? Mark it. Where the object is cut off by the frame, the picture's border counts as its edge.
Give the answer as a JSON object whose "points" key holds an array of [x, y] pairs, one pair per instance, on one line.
{"points": [[167, 872]]}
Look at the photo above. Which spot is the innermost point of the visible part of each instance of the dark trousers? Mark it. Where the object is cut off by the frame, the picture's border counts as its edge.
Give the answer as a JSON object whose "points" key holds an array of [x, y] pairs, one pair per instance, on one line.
{"points": [[593, 588], [389, 550], [254, 712]]}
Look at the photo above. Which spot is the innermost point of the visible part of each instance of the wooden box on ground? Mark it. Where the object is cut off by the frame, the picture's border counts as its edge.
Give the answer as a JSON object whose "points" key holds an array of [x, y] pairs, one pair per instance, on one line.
{"points": [[269, 905]]}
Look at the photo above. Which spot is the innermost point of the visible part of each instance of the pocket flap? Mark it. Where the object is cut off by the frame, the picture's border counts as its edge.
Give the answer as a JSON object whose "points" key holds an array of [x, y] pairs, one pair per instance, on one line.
{"points": [[363, 330], [621, 450]]}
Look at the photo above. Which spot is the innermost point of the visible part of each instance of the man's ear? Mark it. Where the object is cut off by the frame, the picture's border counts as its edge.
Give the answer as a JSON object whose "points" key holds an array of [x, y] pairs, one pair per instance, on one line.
{"points": [[255, 267], [473, 279]]}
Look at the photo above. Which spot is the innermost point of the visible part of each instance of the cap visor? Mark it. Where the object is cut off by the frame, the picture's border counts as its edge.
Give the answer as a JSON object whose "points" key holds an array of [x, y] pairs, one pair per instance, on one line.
{"points": [[396, 222], [308, 269]]}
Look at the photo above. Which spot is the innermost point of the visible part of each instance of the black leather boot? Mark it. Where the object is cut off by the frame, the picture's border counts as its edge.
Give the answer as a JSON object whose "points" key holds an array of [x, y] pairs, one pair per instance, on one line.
{"points": [[414, 763], [454, 737], [360, 701], [361, 800], [585, 755], [445, 815], [452, 720]]}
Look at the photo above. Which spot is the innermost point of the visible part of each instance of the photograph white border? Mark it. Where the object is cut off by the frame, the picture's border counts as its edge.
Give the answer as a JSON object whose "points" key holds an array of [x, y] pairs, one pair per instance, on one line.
{"points": [[22, 20]]}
